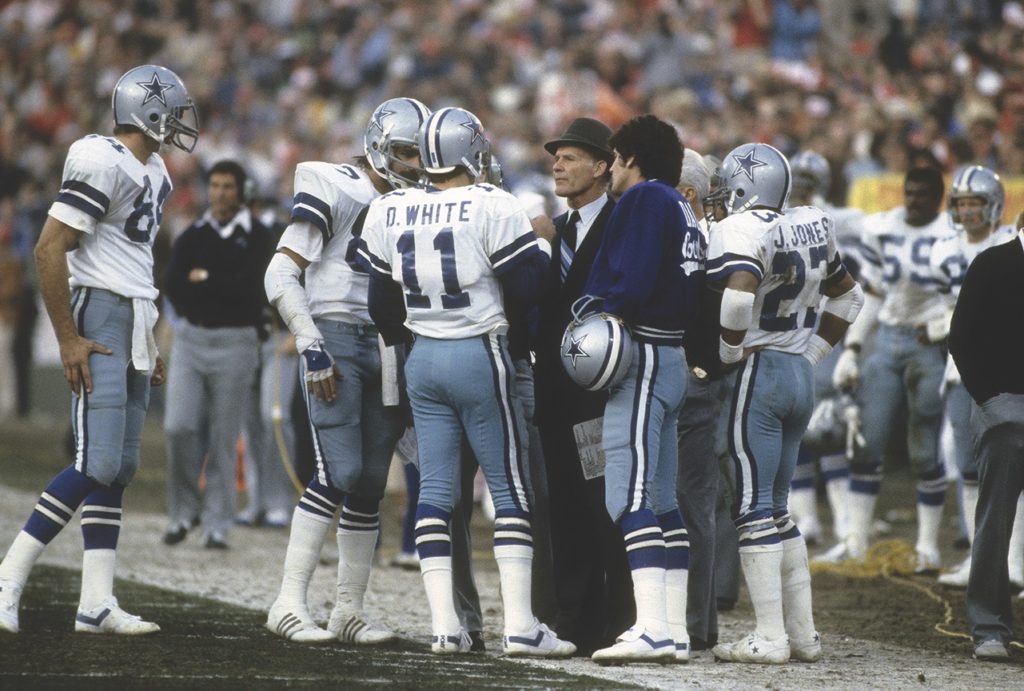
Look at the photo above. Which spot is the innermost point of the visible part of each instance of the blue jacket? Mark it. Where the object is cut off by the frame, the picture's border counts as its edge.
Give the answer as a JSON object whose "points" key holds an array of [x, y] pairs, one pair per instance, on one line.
{"points": [[650, 266]]}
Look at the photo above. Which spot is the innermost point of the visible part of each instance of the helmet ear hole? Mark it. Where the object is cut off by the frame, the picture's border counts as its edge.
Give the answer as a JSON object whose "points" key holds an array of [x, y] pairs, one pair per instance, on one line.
{"points": [[740, 193], [153, 117]]}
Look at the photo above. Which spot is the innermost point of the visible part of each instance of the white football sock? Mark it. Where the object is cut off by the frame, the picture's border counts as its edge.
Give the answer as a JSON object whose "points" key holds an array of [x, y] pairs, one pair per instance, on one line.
{"points": [[676, 581], [515, 572], [969, 498], [649, 593], [437, 581], [355, 558], [1015, 558], [762, 569], [97, 577], [21, 557], [304, 544], [803, 508], [929, 519], [861, 511], [796, 591]]}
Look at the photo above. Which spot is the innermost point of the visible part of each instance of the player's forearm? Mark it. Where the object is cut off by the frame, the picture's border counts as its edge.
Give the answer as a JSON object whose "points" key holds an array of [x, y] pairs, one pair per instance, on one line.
{"points": [[52, 268], [284, 292]]}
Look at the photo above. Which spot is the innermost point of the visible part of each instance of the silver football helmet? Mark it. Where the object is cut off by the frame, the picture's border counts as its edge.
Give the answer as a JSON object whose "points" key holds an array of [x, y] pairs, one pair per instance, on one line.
{"points": [[597, 349], [812, 175], [454, 137], [154, 99], [396, 121], [756, 175], [980, 182]]}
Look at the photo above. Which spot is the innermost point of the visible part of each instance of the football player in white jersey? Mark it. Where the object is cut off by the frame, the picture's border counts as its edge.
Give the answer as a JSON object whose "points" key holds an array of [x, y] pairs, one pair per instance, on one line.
{"points": [[906, 360], [99, 234], [447, 261], [812, 177], [975, 211], [776, 267], [354, 430]]}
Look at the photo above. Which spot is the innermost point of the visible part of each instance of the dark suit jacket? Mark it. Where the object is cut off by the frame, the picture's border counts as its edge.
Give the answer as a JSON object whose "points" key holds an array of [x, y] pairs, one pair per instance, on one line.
{"points": [[988, 323], [558, 398]]}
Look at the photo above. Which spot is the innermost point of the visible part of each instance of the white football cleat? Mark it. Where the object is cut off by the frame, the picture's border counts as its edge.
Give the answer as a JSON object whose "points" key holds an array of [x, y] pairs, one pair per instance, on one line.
{"points": [[636, 645], [353, 627], [540, 641], [295, 624], [110, 618], [756, 649], [958, 577], [10, 596], [454, 644], [805, 651], [682, 653], [928, 563]]}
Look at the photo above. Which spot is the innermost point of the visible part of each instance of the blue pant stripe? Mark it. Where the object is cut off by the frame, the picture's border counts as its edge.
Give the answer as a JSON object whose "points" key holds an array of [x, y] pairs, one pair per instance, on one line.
{"points": [[802, 483], [323, 473], [739, 443], [639, 441], [787, 527], [501, 372], [80, 404]]}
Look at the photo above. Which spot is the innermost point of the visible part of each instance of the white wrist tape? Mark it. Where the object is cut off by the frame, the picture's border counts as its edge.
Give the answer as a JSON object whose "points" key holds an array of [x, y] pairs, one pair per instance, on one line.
{"points": [[289, 297], [817, 349], [848, 305], [729, 353], [737, 309]]}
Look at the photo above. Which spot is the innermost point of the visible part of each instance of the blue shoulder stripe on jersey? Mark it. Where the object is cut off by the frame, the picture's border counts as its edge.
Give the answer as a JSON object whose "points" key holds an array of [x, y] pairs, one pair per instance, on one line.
{"points": [[306, 207], [511, 254], [720, 267], [84, 197], [368, 259]]}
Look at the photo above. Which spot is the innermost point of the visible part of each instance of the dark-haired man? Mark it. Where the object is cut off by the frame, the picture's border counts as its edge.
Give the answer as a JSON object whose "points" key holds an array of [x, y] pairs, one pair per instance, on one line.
{"points": [[214, 282], [648, 273]]}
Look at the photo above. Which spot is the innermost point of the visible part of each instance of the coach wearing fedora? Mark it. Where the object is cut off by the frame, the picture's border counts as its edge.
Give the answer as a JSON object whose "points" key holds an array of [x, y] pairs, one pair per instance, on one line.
{"points": [[592, 584]]}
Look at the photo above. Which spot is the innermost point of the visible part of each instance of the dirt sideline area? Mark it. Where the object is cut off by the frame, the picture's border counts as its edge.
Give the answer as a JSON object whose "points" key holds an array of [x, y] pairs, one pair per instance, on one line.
{"points": [[249, 573]]}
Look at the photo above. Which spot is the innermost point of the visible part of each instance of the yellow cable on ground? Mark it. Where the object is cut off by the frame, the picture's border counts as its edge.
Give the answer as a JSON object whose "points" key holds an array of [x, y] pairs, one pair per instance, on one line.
{"points": [[894, 560]]}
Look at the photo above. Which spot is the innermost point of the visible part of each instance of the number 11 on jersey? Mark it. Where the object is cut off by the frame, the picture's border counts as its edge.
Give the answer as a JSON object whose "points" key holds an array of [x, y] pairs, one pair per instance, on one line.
{"points": [[444, 242]]}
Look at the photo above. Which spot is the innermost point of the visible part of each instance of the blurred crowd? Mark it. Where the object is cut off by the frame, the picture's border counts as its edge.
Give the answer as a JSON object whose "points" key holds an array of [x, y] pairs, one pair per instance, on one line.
{"points": [[871, 84]]}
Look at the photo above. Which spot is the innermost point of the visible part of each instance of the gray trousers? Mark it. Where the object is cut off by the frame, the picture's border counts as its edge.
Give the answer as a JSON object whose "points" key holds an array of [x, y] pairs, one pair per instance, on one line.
{"points": [[998, 428], [211, 372], [270, 488], [698, 488]]}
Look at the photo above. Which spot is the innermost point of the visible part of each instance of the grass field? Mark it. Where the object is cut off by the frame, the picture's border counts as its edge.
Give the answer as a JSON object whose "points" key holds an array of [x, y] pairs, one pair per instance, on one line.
{"points": [[205, 643]]}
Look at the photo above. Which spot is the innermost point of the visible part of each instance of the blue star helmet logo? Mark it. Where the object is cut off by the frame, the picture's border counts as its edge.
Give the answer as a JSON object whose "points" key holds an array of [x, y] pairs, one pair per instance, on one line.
{"points": [[155, 90], [476, 129], [380, 115], [575, 349], [747, 165]]}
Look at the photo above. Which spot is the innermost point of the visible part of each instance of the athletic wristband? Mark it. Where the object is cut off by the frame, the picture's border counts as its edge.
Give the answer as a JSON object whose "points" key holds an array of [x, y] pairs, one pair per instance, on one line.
{"points": [[817, 350], [729, 353]]}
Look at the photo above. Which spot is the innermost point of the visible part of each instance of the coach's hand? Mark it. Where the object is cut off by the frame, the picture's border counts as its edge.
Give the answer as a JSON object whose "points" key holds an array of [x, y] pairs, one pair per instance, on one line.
{"points": [[159, 375], [74, 355], [321, 372]]}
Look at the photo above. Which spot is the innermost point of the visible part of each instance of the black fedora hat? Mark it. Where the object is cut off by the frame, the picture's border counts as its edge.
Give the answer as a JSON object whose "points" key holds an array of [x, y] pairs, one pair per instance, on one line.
{"points": [[588, 133]]}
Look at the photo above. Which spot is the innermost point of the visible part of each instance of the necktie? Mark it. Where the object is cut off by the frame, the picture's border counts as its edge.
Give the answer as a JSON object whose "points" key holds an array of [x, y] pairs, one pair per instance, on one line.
{"points": [[569, 243]]}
